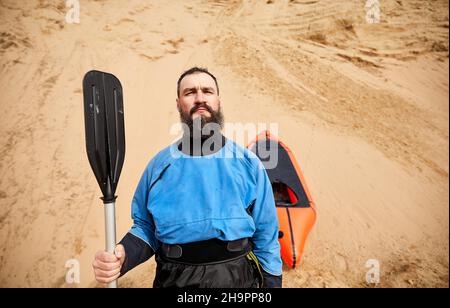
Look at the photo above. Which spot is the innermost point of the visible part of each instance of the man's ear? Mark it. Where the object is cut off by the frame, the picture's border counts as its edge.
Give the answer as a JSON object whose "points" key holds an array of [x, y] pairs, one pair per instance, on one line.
{"points": [[178, 104]]}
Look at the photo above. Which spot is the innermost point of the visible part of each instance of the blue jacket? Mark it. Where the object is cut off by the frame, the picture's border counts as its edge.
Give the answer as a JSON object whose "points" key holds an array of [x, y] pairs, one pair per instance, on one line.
{"points": [[182, 199]]}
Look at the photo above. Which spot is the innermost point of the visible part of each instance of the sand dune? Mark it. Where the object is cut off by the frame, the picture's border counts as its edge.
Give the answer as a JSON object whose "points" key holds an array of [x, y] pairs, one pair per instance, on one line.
{"points": [[363, 106]]}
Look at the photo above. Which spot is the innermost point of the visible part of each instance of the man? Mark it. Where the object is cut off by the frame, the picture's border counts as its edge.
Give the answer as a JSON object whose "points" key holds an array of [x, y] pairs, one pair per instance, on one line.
{"points": [[204, 206]]}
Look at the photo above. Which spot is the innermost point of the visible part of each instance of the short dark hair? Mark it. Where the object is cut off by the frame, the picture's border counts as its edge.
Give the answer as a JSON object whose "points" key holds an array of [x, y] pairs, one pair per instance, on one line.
{"points": [[195, 70]]}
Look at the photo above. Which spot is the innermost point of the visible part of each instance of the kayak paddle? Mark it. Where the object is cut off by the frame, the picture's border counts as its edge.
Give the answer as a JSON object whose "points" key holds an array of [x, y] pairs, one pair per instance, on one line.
{"points": [[105, 141]]}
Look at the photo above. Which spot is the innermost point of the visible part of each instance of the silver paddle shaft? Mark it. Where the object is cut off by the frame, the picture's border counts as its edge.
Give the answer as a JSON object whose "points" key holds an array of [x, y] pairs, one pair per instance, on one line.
{"points": [[110, 231]]}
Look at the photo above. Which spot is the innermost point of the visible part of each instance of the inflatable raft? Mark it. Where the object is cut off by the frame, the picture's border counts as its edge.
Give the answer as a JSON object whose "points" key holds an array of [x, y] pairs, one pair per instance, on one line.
{"points": [[295, 207]]}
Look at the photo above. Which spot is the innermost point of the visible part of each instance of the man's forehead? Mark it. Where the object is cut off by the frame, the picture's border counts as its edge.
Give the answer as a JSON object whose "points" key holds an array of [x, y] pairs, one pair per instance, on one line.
{"points": [[197, 80]]}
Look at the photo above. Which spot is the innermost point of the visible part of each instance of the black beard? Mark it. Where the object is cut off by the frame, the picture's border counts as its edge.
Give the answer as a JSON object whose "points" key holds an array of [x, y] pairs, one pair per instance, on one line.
{"points": [[202, 126]]}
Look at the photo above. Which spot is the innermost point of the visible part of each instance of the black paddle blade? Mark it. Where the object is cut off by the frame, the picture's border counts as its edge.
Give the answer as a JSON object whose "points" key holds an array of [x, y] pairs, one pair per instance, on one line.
{"points": [[105, 132]]}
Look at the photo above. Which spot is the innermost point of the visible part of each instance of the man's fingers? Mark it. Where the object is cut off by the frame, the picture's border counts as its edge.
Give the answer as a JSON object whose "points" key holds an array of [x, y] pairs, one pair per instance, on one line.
{"points": [[106, 266], [101, 274], [107, 280], [105, 257], [119, 251]]}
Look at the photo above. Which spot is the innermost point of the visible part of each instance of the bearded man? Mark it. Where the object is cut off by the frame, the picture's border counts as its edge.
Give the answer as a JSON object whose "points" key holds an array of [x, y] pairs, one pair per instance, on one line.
{"points": [[204, 206]]}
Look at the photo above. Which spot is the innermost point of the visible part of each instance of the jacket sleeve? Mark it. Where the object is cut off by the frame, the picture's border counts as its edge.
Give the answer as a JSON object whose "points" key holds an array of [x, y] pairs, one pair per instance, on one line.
{"points": [[143, 225], [136, 252], [265, 239]]}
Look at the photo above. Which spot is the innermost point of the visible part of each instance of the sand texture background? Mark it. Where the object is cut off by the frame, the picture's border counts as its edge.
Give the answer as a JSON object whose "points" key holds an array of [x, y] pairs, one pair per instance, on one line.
{"points": [[364, 107]]}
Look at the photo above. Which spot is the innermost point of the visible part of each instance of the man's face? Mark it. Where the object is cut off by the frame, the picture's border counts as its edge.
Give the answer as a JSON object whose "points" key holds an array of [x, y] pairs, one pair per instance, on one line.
{"points": [[198, 96]]}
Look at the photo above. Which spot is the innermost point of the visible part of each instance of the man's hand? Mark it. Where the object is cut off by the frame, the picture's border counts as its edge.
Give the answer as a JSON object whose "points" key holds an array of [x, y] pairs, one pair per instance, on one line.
{"points": [[107, 265]]}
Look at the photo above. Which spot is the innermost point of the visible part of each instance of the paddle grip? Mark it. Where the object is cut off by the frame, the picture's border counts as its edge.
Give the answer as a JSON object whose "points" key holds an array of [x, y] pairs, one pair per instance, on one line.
{"points": [[110, 232]]}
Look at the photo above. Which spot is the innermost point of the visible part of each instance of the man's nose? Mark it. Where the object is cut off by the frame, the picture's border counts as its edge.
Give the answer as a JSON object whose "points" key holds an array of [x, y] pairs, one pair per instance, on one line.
{"points": [[199, 97]]}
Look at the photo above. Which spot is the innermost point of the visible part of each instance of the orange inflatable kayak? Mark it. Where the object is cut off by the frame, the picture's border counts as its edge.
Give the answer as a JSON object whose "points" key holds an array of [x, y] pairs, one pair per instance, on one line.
{"points": [[295, 207]]}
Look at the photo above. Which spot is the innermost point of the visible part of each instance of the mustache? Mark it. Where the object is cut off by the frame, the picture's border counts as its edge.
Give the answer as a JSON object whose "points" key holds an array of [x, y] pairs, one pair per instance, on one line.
{"points": [[216, 116], [197, 107]]}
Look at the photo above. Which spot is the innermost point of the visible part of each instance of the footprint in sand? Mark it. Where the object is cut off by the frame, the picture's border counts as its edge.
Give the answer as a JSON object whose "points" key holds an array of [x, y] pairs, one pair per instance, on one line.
{"points": [[10, 40], [174, 44], [139, 10], [123, 21], [151, 58]]}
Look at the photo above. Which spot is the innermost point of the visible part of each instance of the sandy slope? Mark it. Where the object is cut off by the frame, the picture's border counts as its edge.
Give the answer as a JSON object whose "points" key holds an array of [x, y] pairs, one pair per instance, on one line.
{"points": [[363, 106]]}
